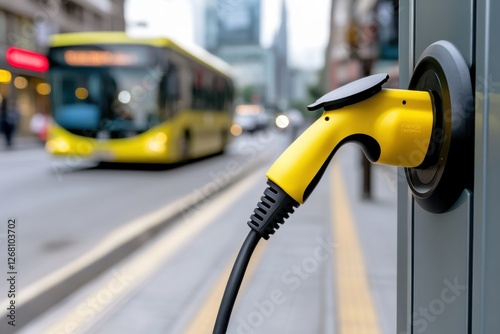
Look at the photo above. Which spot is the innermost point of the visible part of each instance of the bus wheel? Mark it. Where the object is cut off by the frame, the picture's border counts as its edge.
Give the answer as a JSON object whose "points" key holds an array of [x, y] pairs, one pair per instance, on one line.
{"points": [[184, 145], [224, 141]]}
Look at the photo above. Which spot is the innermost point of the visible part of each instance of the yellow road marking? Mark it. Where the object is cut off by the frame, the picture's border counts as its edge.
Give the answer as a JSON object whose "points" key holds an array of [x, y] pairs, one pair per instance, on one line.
{"points": [[79, 318], [204, 320], [356, 309]]}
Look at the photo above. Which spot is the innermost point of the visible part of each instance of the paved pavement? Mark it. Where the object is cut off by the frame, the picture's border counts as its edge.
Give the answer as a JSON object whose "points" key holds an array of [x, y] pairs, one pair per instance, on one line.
{"points": [[20, 143], [376, 223]]}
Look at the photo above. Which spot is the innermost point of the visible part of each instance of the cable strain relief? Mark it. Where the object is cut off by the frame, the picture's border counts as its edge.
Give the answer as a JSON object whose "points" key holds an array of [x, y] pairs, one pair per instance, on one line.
{"points": [[274, 207]]}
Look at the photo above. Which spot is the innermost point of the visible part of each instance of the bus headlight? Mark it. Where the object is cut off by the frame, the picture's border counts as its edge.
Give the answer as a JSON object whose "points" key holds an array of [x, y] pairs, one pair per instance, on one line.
{"points": [[236, 130], [57, 145], [158, 143]]}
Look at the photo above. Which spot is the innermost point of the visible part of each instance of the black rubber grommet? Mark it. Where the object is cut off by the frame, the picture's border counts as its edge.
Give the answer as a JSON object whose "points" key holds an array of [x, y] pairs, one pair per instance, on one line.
{"points": [[448, 167]]}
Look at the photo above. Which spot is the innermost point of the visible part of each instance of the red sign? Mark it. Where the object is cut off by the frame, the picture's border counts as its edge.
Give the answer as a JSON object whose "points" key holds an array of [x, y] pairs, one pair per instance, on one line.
{"points": [[26, 59]]}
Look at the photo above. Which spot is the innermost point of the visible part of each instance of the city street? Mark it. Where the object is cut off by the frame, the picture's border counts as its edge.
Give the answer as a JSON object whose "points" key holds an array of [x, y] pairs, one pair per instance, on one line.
{"points": [[174, 283]]}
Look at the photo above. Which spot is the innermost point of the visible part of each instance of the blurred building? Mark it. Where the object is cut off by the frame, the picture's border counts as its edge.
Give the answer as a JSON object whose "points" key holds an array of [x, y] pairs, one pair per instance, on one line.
{"points": [[363, 39], [299, 83], [231, 30], [280, 52], [254, 70], [231, 23], [25, 29]]}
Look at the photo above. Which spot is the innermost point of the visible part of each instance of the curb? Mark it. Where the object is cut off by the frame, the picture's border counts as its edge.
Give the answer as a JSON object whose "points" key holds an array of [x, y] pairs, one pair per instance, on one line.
{"points": [[53, 288]]}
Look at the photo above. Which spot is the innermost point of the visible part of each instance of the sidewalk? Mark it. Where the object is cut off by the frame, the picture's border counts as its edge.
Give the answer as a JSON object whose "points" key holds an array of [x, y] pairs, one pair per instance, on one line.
{"points": [[376, 227], [21, 143]]}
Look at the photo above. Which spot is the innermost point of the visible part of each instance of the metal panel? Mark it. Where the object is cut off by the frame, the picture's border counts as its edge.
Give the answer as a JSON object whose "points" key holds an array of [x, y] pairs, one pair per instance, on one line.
{"points": [[441, 269], [404, 255], [451, 20], [406, 64], [434, 263], [486, 270]]}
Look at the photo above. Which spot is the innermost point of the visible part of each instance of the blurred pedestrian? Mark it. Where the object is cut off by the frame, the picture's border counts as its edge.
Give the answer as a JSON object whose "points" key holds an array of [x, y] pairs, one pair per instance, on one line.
{"points": [[8, 121], [39, 125]]}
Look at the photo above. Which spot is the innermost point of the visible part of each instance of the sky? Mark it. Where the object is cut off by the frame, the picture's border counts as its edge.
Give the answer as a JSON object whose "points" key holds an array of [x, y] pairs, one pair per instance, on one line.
{"points": [[308, 24]]}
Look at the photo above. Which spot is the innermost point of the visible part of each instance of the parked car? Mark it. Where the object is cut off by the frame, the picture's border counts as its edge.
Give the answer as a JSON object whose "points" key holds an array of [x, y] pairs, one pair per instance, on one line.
{"points": [[250, 119]]}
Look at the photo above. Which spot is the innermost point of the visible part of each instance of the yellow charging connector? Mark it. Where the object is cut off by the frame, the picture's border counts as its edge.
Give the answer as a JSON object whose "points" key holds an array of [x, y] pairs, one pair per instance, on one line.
{"points": [[393, 127]]}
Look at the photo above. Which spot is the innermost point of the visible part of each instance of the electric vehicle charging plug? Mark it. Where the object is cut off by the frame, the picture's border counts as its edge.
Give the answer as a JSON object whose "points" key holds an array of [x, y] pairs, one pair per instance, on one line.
{"points": [[274, 207], [392, 126]]}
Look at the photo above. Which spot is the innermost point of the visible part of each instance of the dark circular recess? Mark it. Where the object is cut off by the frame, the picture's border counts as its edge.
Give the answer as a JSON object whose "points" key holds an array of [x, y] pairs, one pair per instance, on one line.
{"points": [[448, 167], [351, 93]]}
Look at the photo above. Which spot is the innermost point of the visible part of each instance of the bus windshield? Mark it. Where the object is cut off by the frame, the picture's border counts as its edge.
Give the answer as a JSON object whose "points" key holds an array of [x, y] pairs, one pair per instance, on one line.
{"points": [[105, 102]]}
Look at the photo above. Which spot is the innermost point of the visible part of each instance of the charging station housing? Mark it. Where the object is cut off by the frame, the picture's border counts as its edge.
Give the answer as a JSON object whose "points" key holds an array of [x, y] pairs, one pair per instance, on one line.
{"points": [[448, 268]]}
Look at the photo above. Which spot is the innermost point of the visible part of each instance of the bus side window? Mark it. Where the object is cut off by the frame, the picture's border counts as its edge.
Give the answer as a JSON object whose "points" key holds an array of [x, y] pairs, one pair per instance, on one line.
{"points": [[173, 85], [219, 92], [170, 91], [209, 88], [197, 89], [229, 96]]}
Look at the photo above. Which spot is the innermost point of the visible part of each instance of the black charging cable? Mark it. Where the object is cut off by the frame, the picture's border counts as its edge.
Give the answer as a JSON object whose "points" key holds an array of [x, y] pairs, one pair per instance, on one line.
{"points": [[234, 281], [274, 207]]}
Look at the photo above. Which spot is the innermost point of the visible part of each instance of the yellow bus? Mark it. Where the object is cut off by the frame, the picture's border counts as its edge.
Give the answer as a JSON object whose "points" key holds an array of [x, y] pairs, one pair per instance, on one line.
{"points": [[123, 99]]}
